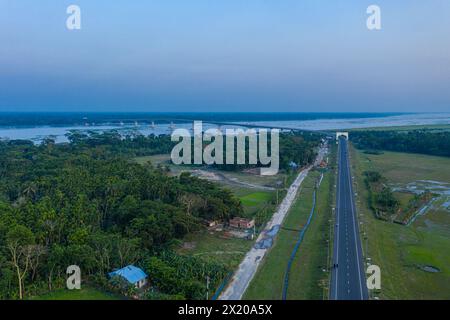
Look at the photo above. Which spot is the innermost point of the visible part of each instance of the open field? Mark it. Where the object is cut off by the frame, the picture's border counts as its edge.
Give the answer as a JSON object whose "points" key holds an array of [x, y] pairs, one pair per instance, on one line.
{"points": [[306, 270], [402, 252], [85, 293], [269, 181], [406, 167], [255, 198], [403, 198], [213, 247], [230, 179], [259, 205]]}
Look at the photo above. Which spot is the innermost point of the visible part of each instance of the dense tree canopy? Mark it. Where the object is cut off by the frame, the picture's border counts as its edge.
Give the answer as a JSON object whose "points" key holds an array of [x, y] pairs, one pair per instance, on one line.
{"points": [[416, 141], [87, 203]]}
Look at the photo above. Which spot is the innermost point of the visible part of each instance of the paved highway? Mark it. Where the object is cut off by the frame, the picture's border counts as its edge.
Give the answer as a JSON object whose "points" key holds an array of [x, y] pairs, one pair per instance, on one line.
{"points": [[348, 281]]}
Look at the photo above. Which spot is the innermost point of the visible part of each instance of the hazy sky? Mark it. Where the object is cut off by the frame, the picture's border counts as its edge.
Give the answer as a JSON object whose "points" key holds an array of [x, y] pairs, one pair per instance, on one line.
{"points": [[224, 55]]}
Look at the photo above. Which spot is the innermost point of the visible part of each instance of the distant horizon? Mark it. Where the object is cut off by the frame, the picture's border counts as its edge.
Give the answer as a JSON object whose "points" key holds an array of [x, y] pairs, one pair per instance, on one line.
{"points": [[62, 118], [227, 112]]}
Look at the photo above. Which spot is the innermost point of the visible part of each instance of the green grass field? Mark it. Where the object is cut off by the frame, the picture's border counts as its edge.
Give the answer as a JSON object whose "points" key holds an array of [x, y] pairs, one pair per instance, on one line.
{"points": [[256, 198], [407, 167], [403, 198], [402, 251], [85, 293], [212, 247], [307, 278], [258, 205]]}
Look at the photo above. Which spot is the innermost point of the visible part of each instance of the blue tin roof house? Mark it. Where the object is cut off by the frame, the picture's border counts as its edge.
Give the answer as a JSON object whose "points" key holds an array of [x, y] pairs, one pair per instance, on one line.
{"points": [[132, 274]]}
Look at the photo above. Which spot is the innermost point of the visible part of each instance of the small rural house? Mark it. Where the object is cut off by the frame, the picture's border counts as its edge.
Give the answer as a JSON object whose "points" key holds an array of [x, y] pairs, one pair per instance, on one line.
{"points": [[132, 274], [242, 223]]}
